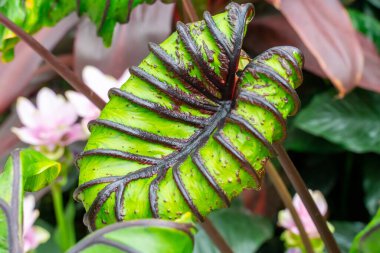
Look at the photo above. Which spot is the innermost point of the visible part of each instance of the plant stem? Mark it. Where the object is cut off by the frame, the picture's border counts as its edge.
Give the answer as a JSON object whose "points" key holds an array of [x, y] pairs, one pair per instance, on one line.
{"points": [[190, 10], [63, 233], [300, 187], [286, 198], [60, 68], [216, 237]]}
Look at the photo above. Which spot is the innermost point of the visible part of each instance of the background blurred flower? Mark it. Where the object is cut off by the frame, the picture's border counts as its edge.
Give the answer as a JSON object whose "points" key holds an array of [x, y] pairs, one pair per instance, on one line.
{"points": [[100, 83], [286, 221], [49, 125], [33, 235]]}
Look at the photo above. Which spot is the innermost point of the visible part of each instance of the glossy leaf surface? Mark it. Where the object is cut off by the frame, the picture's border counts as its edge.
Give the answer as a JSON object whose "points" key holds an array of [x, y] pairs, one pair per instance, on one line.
{"points": [[142, 236], [352, 122], [25, 170], [191, 128]]}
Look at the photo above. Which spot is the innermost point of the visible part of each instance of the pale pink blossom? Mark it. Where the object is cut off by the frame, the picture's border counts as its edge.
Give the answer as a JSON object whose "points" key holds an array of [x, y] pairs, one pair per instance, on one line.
{"points": [[32, 235], [98, 82], [286, 221], [51, 124]]}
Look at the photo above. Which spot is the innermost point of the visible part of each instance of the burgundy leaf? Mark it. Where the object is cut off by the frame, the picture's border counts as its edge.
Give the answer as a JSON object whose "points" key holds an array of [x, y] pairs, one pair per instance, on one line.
{"points": [[15, 76], [148, 23], [326, 30]]}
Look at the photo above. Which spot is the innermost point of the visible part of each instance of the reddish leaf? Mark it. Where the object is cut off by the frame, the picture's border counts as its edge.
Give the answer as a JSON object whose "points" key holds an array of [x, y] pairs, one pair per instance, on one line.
{"points": [[371, 73], [149, 23], [15, 76], [326, 30]]}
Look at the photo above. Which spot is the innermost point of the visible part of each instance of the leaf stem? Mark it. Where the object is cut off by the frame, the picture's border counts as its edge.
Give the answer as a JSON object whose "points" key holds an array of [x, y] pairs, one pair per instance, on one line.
{"points": [[60, 68], [64, 237], [190, 10], [300, 187], [217, 238], [286, 198]]}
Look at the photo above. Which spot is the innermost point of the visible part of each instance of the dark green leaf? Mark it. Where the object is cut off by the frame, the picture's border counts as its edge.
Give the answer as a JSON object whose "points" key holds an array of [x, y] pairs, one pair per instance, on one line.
{"points": [[24, 170], [375, 3], [352, 122], [367, 241], [186, 133], [371, 174], [153, 236], [345, 232], [243, 231], [367, 25]]}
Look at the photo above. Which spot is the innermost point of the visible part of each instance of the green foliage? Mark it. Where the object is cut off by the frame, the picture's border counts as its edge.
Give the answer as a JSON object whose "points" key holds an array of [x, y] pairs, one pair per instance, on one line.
{"points": [[352, 122], [345, 232], [184, 133], [371, 179], [26, 170], [242, 231], [153, 236], [367, 25], [367, 241], [31, 16]]}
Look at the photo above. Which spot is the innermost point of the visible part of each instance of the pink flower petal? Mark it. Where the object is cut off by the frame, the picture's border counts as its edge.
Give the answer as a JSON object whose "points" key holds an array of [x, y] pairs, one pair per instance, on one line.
{"points": [[27, 135], [76, 133], [98, 82], [82, 105], [27, 112]]}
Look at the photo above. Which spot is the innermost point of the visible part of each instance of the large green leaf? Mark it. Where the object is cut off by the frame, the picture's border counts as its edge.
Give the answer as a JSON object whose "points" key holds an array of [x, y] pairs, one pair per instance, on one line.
{"points": [[242, 231], [33, 15], [367, 25], [25, 170], [352, 122], [145, 236], [186, 132], [345, 232], [367, 241]]}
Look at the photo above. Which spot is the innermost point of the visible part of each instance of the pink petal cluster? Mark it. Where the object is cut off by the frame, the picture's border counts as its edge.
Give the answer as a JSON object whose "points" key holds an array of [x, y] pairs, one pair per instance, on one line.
{"points": [[286, 221], [32, 235], [51, 123]]}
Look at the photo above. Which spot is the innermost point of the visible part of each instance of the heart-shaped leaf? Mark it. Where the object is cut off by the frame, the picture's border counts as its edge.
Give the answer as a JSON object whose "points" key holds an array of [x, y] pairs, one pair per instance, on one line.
{"points": [[25, 170], [191, 128], [154, 236]]}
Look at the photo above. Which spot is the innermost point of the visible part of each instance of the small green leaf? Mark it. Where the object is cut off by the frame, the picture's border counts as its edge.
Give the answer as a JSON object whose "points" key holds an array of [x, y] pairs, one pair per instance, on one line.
{"points": [[153, 236], [243, 231], [367, 25], [367, 241], [352, 122], [371, 174], [24, 169]]}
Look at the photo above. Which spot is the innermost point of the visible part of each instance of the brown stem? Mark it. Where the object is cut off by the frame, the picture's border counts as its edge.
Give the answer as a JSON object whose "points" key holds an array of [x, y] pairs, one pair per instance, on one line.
{"points": [[300, 186], [216, 237], [190, 11], [286, 198], [60, 68]]}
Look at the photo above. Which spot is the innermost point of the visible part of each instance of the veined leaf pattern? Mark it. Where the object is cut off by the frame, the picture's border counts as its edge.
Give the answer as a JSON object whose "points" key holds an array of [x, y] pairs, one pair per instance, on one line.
{"points": [[192, 127]]}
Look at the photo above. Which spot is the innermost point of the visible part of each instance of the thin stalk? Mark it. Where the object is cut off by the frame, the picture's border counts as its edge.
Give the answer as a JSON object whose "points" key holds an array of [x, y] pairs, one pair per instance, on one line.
{"points": [[300, 187], [60, 68], [286, 198], [64, 237], [190, 10], [214, 235]]}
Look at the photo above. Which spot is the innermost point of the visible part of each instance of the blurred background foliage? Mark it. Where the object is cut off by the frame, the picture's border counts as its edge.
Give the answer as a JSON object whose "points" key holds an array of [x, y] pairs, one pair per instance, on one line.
{"points": [[334, 141]]}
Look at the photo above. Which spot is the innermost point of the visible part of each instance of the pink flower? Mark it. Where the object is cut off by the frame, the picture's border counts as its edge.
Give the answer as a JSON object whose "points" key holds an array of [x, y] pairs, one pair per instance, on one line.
{"points": [[286, 221], [51, 124], [33, 235], [100, 84]]}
